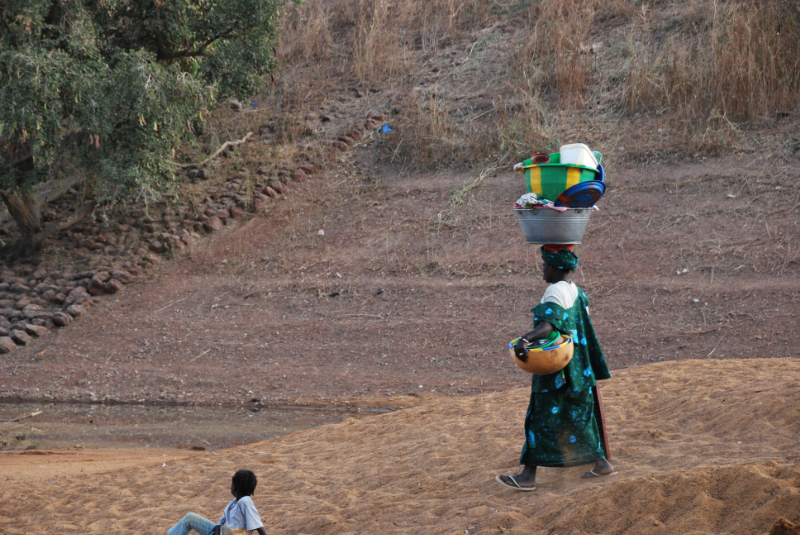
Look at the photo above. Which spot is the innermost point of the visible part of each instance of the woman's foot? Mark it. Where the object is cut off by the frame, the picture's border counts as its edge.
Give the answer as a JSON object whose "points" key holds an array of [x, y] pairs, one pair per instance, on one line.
{"points": [[601, 468], [525, 480]]}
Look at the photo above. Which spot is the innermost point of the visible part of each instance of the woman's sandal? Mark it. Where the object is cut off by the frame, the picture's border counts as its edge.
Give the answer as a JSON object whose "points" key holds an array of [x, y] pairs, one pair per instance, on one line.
{"points": [[591, 474], [513, 485]]}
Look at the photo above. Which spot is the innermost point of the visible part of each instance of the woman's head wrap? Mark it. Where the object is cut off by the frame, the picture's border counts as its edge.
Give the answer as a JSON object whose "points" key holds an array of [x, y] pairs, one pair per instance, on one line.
{"points": [[560, 256]]}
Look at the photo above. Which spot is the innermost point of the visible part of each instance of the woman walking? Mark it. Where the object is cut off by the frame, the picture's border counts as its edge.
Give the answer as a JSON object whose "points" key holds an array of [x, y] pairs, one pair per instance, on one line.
{"points": [[561, 425]]}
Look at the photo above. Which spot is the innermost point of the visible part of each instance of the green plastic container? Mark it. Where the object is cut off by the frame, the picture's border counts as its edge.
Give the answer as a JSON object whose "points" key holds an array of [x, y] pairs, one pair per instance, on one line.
{"points": [[552, 179]]}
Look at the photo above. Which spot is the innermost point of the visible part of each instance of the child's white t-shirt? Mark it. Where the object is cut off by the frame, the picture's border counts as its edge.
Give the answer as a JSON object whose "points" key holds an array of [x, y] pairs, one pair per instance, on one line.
{"points": [[241, 514]]}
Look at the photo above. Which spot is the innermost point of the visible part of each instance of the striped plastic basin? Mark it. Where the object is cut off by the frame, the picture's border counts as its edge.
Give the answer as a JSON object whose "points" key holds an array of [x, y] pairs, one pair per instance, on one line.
{"points": [[552, 179]]}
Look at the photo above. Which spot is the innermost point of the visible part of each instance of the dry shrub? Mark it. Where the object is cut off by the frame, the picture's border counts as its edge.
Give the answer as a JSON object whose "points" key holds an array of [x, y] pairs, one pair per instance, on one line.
{"points": [[556, 51], [521, 125], [372, 40], [742, 64]]}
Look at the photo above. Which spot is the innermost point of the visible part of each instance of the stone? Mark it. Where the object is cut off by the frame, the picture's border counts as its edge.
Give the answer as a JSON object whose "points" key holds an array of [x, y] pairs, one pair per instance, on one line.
{"points": [[236, 105], [18, 288], [339, 145], [157, 247], [7, 303], [308, 169], [61, 319], [152, 258], [4, 323], [21, 338], [35, 311], [224, 214], [22, 303], [347, 139], [7, 345], [213, 224], [4, 331], [123, 276], [312, 116], [270, 192], [102, 276], [299, 175], [75, 310], [36, 330], [113, 286], [236, 212], [75, 292], [96, 287], [49, 295], [59, 298]]}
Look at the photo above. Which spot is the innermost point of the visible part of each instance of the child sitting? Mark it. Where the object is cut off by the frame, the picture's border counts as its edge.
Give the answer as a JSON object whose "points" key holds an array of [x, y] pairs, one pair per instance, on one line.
{"points": [[240, 515]]}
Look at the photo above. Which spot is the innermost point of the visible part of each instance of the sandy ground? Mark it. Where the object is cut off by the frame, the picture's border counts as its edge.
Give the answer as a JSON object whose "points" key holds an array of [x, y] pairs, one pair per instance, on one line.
{"points": [[702, 446], [39, 467], [411, 295]]}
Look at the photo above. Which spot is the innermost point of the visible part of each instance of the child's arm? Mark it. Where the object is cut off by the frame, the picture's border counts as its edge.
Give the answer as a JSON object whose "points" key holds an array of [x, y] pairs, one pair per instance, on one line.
{"points": [[261, 531]]}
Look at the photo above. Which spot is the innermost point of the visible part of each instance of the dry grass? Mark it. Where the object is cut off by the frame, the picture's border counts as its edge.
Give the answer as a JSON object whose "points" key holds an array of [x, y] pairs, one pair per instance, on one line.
{"points": [[736, 62], [479, 81], [373, 41]]}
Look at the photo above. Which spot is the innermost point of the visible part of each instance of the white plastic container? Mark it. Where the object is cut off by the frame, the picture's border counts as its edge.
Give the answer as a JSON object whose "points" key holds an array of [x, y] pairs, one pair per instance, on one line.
{"points": [[578, 154]]}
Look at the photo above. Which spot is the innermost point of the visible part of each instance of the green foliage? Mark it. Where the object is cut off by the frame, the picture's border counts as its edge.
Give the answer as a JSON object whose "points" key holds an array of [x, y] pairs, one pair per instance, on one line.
{"points": [[113, 86]]}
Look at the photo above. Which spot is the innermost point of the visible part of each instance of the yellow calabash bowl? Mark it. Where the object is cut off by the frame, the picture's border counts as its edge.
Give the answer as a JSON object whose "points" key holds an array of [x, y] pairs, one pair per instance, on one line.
{"points": [[549, 360]]}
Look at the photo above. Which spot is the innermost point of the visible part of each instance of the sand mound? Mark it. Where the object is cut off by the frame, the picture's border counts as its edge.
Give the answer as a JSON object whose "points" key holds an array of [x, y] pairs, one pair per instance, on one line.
{"points": [[701, 447]]}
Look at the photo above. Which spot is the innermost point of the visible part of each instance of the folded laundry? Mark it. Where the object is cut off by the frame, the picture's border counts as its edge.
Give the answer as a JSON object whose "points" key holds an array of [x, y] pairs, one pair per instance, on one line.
{"points": [[531, 200]]}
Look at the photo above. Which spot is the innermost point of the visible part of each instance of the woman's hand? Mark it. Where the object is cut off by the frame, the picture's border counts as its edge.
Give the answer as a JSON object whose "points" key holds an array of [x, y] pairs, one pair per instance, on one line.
{"points": [[521, 349]]}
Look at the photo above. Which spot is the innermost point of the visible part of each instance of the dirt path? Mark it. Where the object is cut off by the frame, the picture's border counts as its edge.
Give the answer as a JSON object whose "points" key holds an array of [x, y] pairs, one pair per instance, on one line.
{"points": [[418, 284], [701, 447]]}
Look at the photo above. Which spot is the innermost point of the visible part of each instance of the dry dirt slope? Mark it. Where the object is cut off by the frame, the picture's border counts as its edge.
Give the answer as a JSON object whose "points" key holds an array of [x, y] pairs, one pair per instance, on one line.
{"points": [[701, 446]]}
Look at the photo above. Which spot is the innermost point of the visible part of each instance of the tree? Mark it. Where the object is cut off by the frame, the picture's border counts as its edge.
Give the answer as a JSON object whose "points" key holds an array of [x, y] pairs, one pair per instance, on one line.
{"points": [[105, 91]]}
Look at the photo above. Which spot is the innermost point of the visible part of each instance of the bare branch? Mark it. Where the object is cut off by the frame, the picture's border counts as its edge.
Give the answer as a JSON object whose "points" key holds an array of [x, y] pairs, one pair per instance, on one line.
{"points": [[215, 154]]}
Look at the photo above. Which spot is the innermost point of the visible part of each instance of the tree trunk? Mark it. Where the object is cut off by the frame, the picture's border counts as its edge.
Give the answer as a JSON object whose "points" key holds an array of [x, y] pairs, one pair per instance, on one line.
{"points": [[27, 213]]}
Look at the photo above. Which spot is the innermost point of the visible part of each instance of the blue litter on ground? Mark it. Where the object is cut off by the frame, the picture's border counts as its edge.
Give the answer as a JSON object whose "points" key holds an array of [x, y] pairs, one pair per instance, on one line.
{"points": [[386, 129]]}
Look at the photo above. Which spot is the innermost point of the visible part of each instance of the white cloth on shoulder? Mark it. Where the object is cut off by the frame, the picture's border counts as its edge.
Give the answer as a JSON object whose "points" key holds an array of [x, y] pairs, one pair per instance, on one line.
{"points": [[241, 514], [562, 293]]}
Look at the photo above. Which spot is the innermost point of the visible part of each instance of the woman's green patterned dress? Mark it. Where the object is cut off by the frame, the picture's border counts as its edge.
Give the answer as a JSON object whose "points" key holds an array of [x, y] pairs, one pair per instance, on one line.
{"points": [[560, 426]]}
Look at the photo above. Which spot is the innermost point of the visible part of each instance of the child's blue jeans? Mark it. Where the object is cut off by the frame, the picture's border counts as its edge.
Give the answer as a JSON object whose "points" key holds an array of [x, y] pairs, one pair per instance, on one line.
{"points": [[192, 521]]}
